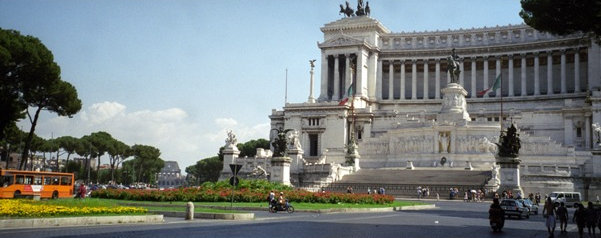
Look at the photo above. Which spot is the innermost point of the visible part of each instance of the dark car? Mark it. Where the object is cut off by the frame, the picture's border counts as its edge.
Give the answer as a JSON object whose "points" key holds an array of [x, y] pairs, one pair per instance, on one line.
{"points": [[515, 208]]}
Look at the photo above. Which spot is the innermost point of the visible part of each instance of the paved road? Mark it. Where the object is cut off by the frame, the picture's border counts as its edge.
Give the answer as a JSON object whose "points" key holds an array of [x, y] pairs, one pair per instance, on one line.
{"points": [[449, 219]]}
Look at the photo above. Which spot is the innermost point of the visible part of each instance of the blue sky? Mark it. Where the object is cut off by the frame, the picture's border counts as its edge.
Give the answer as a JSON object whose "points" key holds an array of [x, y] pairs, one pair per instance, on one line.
{"points": [[178, 74]]}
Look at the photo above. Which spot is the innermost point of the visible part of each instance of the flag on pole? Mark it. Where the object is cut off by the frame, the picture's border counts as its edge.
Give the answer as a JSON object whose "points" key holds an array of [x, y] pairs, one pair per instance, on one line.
{"points": [[349, 93], [495, 86]]}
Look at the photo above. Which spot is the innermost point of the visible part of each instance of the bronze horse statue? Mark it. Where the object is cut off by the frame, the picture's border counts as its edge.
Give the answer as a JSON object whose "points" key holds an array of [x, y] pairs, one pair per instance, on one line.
{"points": [[348, 11]]}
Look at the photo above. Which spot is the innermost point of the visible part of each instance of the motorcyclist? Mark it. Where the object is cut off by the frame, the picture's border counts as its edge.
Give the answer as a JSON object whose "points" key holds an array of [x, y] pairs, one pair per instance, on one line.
{"points": [[282, 200], [496, 215]]}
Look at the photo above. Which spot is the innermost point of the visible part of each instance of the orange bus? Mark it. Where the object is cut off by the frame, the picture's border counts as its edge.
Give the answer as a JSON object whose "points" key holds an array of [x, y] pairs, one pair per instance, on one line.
{"points": [[19, 183]]}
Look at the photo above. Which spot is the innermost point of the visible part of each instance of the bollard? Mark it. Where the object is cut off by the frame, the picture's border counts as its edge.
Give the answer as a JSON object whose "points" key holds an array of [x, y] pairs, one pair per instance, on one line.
{"points": [[190, 211]]}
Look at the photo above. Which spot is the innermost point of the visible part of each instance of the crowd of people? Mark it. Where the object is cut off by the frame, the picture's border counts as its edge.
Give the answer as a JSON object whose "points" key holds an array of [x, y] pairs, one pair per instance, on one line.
{"points": [[589, 217]]}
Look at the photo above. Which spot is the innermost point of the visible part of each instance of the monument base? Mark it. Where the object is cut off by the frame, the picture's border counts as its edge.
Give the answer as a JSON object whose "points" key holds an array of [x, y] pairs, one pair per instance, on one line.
{"points": [[509, 174], [280, 170]]}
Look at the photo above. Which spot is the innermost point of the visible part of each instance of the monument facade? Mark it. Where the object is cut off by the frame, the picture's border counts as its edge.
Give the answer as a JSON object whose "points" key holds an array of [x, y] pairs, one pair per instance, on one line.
{"points": [[439, 99]]}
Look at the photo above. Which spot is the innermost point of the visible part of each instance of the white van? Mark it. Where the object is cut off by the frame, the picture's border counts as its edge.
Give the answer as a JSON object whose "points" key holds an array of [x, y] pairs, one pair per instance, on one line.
{"points": [[570, 199]]}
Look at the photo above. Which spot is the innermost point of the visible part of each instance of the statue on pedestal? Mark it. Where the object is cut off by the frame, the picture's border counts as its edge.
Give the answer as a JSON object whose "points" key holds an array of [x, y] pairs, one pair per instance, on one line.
{"points": [[231, 139], [510, 143], [280, 142], [453, 66]]}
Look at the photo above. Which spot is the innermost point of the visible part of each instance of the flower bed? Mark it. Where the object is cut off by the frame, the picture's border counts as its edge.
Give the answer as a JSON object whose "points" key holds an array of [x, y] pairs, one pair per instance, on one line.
{"points": [[204, 194], [29, 208]]}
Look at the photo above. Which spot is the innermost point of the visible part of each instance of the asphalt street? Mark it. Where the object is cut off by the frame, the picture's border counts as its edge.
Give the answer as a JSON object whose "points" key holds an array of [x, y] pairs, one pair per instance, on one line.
{"points": [[449, 219]]}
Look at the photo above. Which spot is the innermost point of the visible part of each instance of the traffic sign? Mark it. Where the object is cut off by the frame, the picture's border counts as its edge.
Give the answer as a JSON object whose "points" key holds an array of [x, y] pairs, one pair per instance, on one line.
{"points": [[234, 181], [235, 168]]}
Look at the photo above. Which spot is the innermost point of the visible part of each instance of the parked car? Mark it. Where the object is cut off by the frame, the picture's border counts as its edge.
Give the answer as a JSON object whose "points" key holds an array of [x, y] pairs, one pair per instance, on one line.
{"points": [[570, 199], [533, 208], [513, 207]]}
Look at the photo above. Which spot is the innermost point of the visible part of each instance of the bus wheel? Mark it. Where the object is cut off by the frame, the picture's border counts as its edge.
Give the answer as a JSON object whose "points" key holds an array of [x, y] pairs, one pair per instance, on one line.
{"points": [[17, 194], [55, 195]]}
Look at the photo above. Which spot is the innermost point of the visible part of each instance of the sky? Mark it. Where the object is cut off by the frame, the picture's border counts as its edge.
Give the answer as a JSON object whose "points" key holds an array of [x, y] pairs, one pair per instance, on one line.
{"points": [[178, 74]]}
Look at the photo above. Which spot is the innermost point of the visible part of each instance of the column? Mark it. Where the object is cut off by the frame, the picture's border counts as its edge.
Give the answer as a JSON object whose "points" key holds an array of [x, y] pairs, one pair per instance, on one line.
{"points": [[347, 75], [413, 79], [402, 93], [549, 72], [323, 95], [426, 79], [360, 74], [474, 69], [391, 80], [461, 75], [510, 73], [485, 77], [577, 71], [536, 74], [523, 91], [336, 94], [563, 71], [587, 131], [437, 79], [497, 73], [379, 80]]}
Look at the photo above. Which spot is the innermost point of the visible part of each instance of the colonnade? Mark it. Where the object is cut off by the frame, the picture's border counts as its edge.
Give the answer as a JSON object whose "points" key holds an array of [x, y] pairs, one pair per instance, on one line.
{"points": [[387, 91]]}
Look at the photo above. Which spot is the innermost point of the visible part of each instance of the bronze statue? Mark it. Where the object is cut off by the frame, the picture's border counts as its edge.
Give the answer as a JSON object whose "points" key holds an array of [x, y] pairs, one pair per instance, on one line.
{"points": [[348, 11], [280, 143], [453, 66], [510, 143], [312, 62], [367, 9], [360, 10]]}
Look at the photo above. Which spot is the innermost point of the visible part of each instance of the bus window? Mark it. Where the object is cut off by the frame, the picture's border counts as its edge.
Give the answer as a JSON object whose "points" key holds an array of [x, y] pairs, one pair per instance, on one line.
{"points": [[47, 180], [20, 179], [7, 180], [37, 180], [29, 180], [54, 180], [65, 180]]}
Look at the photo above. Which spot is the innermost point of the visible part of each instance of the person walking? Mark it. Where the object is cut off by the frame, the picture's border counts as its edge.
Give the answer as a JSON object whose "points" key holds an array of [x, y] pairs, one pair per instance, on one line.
{"points": [[549, 213], [271, 198], [580, 219], [562, 215], [591, 219]]}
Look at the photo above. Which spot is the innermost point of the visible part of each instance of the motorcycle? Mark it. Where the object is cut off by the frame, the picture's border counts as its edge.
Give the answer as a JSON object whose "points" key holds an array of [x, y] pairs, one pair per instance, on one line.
{"points": [[275, 207]]}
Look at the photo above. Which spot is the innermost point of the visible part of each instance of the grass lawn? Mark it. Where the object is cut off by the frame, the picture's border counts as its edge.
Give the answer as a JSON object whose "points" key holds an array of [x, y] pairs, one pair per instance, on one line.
{"points": [[152, 206]]}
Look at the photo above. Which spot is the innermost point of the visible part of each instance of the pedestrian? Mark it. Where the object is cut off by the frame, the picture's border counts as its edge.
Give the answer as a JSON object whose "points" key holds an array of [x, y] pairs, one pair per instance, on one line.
{"points": [[349, 189], [271, 198], [82, 191], [368, 190], [419, 192], [537, 198], [465, 197], [580, 219], [562, 215], [549, 213], [591, 219]]}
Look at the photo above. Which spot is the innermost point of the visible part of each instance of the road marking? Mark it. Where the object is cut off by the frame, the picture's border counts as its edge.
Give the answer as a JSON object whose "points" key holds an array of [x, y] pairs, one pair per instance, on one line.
{"points": [[361, 218]]}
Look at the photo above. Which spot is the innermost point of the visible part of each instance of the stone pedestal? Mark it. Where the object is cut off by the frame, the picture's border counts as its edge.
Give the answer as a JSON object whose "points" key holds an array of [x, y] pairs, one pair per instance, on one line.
{"points": [[453, 104], [230, 154], [297, 162], [509, 174], [280, 170]]}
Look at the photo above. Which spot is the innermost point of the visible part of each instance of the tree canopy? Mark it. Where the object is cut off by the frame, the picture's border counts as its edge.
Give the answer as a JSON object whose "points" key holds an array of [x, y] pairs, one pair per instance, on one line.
{"points": [[563, 17], [31, 79]]}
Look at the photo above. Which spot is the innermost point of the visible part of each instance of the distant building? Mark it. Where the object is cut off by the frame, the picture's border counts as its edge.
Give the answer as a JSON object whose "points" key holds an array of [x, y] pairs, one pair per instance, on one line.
{"points": [[170, 176]]}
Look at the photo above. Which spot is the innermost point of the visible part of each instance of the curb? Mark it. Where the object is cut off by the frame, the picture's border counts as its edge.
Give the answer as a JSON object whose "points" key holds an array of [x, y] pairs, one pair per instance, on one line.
{"points": [[205, 215], [78, 221]]}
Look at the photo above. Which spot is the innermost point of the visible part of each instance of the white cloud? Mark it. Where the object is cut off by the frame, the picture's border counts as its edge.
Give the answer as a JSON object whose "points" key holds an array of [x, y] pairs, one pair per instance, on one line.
{"points": [[171, 130]]}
